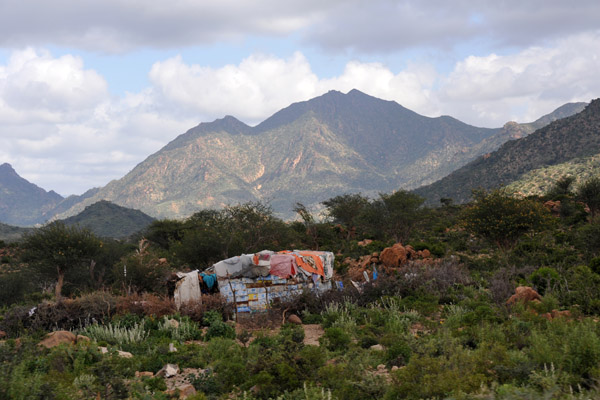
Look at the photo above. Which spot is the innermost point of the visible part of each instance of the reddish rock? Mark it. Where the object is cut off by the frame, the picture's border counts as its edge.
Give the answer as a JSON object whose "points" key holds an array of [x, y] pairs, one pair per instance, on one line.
{"points": [[393, 257], [561, 314], [524, 294], [365, 242], [56, 338], [424, 253], [140, 374], [411, 253], [2, 334], [547, 316], [294, 319], [553, 206], [82, 338]]}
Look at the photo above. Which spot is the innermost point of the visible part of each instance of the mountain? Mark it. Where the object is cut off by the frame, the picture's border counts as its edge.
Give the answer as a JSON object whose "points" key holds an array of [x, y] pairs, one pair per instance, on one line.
{"points": [[308, 152], [109, 220], [577, 136], [21, 202]]}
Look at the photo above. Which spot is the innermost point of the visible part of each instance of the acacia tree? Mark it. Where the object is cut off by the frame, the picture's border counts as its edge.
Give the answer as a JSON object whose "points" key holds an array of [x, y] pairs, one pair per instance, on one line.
{"points": [[345, 210], [503, 219], [57, 248], [393, 215]]}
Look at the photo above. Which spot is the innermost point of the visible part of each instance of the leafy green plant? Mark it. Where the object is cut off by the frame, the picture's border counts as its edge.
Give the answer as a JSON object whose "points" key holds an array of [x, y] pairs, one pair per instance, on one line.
{"points": [[180, 330], [116, 334]]}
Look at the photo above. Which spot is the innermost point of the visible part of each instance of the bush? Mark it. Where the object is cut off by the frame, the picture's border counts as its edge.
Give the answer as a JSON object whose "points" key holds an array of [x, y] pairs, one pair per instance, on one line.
{"points": [[185, 329], [116, 334], [216, 326], [335, 339]]}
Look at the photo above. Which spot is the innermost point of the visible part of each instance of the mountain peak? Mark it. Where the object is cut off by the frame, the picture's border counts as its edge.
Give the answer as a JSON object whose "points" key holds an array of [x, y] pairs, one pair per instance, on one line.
{"points": [[7, 168]]}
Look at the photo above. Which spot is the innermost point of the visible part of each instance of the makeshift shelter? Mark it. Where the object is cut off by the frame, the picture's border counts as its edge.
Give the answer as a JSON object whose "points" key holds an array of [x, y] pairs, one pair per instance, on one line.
{"points": [[254, 281], [187, 288]]}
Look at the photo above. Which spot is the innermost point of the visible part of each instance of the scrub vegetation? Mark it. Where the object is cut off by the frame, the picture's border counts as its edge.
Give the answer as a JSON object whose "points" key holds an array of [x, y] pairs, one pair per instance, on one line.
{"points": [[437, 327]]}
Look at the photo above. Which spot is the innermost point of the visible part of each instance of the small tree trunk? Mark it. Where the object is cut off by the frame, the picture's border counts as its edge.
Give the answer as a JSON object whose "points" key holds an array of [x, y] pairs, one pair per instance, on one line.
{"points": [[59, 283]]}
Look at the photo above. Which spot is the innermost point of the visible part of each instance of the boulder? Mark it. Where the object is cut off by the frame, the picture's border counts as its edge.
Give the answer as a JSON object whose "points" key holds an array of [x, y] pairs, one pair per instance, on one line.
{"points": [[172, 348], [173, 323], [294, 319], [561, 314], [56, 338], [186, 390], [123, 354], [424, 253], [83, 338], [142, 374], [553, 206], [365, 242], [524, 294], [393, 257], [168, 370], [2, 334], [376, 347]]}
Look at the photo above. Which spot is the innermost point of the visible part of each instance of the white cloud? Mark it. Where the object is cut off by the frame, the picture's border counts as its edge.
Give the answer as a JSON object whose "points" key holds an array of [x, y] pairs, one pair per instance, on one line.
{"points": [[523, 86], [35, 85]]}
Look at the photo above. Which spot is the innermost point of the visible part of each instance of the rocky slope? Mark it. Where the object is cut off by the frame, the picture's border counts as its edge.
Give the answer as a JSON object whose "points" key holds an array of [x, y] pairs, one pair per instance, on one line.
{"points": [[21, 202], [563, 140]]}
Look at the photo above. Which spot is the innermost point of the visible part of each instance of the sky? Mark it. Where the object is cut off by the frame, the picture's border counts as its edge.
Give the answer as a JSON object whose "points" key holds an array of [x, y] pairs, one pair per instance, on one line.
{"points": [[89, 89]]}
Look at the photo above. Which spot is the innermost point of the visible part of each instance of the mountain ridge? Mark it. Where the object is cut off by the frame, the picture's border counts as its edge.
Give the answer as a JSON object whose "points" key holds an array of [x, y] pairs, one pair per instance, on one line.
{"points": [[562, 140], [307, 152]]}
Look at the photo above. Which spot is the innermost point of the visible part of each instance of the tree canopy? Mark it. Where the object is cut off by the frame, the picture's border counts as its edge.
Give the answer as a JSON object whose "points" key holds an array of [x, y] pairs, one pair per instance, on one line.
{"points": [[56, 249]]}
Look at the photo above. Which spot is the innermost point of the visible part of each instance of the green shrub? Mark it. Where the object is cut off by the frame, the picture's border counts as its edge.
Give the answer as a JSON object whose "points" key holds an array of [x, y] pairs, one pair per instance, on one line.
{"points": [[116, 334], [184, 329], [216, 326], [335, 339]]}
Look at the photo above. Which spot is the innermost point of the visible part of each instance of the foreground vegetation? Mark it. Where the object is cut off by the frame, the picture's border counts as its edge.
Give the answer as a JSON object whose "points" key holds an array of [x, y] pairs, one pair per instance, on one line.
{"points": [[435, 328]]}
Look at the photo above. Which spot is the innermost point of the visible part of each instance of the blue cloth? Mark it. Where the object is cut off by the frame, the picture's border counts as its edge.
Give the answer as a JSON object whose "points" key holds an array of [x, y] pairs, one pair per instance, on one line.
{"points": [[209, 279], [375, 274]]}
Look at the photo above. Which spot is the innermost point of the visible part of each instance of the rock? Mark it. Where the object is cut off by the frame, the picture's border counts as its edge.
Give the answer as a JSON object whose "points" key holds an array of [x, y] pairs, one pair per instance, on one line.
{"points": [[172, 348], [411, 253], [561, 314], [395, 368], [186, 390], [294, 319], [393, 257], [553, 206], [381, 367], [523, 294], [82, 338], [56, 338], [376, 347], [173, 323], [168, 370], [424, 253], [124, 354], [142, 374], [2, 334], [365, 242]]}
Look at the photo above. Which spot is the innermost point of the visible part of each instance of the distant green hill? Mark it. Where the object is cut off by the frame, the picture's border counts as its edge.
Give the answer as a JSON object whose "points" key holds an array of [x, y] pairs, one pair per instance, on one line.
{"points": [[563, 140], [109, 220], [9, 233]]}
